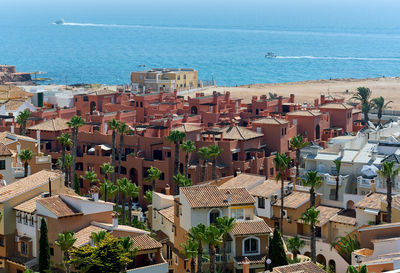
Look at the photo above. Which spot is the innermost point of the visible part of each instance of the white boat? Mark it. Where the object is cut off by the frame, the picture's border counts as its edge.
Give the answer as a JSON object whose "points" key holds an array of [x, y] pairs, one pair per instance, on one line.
{"points": [[59, 22], [270, 55]]}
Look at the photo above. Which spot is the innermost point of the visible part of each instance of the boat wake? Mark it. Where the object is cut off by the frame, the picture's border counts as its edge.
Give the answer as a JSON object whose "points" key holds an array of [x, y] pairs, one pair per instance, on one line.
{"points": [[340, 58]]}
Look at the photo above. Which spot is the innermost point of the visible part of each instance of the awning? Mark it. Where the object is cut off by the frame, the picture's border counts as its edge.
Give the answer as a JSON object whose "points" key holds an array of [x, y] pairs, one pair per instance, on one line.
{"points": [[105, 147], [234, 151], [371, 211]]}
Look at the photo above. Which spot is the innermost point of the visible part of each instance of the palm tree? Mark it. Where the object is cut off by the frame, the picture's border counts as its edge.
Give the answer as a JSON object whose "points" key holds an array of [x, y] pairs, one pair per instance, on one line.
{"points": [[22, 118], [75, 123], [153, 174], [310, 217], [67, 163], [203, 153], [213, 152], [197, 234], [388, 172], [294, 244], [362, 95], [129, 248], [113, 124], [346, 245], [122, 186], [148, 197], [98, 236], [380, 105], [65, 242], [65, 142], [25, 156], [188, 147], [108, 190], [213, 239], [131, 191], [107, 169], [181, 181], [225, 224], [357, 269], [122, 130], [281, 162], [91, 177], [297, 143], [189, 250], [313, 180], [176, 137], [338, 165]]}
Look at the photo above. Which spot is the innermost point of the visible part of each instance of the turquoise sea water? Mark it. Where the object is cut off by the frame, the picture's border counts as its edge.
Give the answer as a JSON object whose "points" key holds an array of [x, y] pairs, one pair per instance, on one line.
{"points": [[104, 49]]}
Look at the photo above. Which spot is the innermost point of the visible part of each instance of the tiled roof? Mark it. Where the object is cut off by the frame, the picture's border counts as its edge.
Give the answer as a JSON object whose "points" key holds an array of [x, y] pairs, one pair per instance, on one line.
{"points": [[210, 196], [306, 267], [371, 201], [161, 236], [7, 137], [253, 259], [270, 120], [102, 92], [57, 124], [238, 133], [243, 180], [168, 213], [4, 151], [304, 113], [12, 105], [28, 206], [294, 200], [57, 206], [343, 219], [83, 235], [13, 92], [267, 188], [326, 213], [335, 106], [145, 242], [26, 184], [251, 227], [185, 127]]}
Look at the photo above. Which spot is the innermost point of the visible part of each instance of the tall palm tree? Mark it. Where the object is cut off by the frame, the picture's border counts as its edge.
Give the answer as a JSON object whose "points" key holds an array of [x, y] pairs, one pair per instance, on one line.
{"points": [[108, 190], [113, 124], [25, 156], [357, 269], [122, 130], [67, 163], [310, 217], [203, 153], [22, 118], [338, 165], [363, 95], [75, 123], [380, 105], [225, 224], [212, 237], [98, 236], [294, 244], [181, 181], [188, 147], [197, 234], [65, 242], [297, 143], [148, 197], [129, 248], [131, 191], [388, 172], [346, 245], [91, 177], [213, 152], [189, 250], [313, 180], [107, 169], [122, 184], [65, 141], [176, 137], [153, 174], [281, 162]]}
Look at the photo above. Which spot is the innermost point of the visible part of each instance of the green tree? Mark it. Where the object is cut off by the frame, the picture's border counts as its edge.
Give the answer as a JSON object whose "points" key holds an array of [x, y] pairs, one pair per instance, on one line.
{"points": [[25, 156], [122, 186], [22, 119], [363, 95], [189, 250], [113, 125], [346, 245], [197, 234], [310, 217], [281, 162], [75, 123], [77, 186], [212, 237], [297, 143], [108, 256], [91, 177], [188, 147], [388, 172], [357, 269], [65, 141], [44, 249], [148, 197], [294, 244], [213, 153], [65, 242], [225, 225], [276, 251], [313, 180], [176, 137], [107, 169], [128, 247], [181, 181], [67, 163], [338, 165], [131, 191], [380, 105], [99, 236], [153, 174], [122, 130], [203, 153], [108, 190]]}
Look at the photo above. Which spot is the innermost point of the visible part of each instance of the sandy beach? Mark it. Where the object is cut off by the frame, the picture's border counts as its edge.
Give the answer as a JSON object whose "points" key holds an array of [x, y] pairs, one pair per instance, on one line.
{"points": [[307, 91]]}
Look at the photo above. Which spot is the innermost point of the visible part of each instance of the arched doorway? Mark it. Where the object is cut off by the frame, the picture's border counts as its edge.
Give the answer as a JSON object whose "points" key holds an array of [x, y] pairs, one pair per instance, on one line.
{"points": [[92, 107], [317, 132], [321, 259], [307, 253], [133, 175], [193, 110], [332, 266]]}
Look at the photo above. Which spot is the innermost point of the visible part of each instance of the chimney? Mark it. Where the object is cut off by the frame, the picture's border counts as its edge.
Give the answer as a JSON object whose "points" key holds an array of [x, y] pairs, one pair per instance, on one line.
{"points": [[228, 196], [246, 265], [227, 96], [38, 140], [167, 190], [49, 187], [115, 219], [373, 185], [12, 129], [94, 190]]}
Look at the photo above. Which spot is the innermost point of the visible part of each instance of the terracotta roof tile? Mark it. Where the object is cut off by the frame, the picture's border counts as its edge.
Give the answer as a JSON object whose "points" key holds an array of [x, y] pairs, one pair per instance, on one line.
{"points": [[168, 213], [336, 106], [306, 267], [238, 133], [13, 92], [342, 219], [161, 236], [243, 180], [57, 206], [8, 137], [4, 151], [26, 184], [270, 120], [12, 105], [294, 200], [267, 188], [28, 206], [83, 235], [251, 227], [254, 259], [304, 113], [371, 201], [326, 213], [57, 124], [145, 242], [187, 128]]}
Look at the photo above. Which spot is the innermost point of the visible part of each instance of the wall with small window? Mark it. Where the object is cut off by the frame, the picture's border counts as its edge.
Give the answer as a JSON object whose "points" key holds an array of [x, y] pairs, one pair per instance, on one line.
{"points": [[251, 245], [26, 224]]}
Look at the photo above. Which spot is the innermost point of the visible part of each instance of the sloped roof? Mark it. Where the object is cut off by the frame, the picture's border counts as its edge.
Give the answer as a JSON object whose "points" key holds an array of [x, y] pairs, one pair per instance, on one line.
{"points": [[304, 113], [294, 200], [4, 151], [57, 206], [187, 128], [336, 106], [57, 124], [13, 92], [251, 227], [342, 219], [83, 235], [243, 180], [267, 188], [12, 105], [28, 206], [371, 201], [270, 120], [306, 267], [168, 213], [145, 242], [238, 133], [7, 137], [325, 213]]}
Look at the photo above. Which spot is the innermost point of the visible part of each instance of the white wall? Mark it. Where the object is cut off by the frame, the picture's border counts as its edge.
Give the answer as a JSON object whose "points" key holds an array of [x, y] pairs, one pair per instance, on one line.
{"points": [[363, 218], [87, 206], [7, 173], [28, 230]]}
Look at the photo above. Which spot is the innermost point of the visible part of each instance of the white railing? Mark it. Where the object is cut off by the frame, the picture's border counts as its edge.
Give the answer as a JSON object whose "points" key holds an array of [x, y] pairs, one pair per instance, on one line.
{"points": [[158, 81], [43, 159], [364, 182], [19, 172]]}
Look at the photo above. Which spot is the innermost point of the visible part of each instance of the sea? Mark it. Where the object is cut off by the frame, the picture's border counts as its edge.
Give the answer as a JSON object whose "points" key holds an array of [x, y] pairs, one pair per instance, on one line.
{"points": [[103, 44]]}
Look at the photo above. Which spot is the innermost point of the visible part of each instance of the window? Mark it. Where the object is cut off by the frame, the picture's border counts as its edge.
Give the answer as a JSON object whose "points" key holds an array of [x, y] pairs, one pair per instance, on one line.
{"points": [[282, 131], [20, 218], [261, 203], [26, 219], [32, 221], [271, 171], [235, 157], [184, 76], [2, 164], [1, 240], [213, 215], [85, 98], [52, 251], [24, 248], [251, 246], [238, 214]]}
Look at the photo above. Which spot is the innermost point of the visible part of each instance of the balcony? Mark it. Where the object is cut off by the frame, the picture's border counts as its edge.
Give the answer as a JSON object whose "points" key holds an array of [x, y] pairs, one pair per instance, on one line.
{"points": [[19, 172], [364, 182], [159, 81], [44, 159]]}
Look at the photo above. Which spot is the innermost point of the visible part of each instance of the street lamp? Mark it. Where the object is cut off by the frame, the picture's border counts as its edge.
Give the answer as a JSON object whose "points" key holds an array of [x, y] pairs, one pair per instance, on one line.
{"points": [[268, 262]]}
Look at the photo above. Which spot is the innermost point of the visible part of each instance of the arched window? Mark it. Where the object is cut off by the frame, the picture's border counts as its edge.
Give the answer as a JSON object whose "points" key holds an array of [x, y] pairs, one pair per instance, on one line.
{"points": [[251, 246], [213, 215]]}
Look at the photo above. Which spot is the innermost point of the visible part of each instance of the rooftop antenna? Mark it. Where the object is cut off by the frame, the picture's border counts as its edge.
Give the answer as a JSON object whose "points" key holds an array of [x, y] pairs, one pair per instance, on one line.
{"points": [[49, 187]]}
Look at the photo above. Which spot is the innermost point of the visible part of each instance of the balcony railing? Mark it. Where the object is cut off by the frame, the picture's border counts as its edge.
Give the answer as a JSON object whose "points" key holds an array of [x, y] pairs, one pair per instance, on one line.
{"points": [[19, 172], [43, 159], [364, 182]]}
